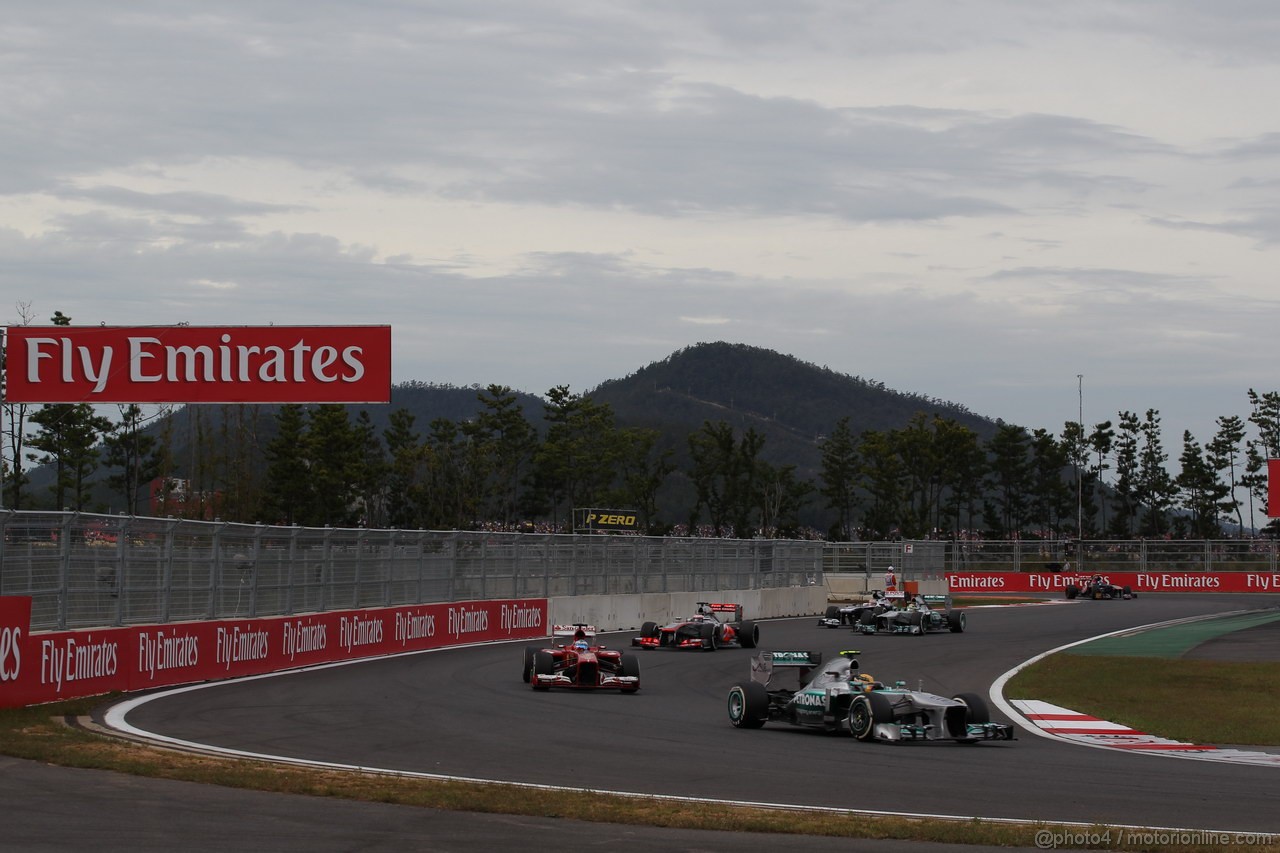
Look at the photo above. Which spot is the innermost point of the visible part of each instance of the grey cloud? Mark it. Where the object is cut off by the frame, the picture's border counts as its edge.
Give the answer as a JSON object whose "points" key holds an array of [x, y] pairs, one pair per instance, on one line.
{"points": [[202, 205]]}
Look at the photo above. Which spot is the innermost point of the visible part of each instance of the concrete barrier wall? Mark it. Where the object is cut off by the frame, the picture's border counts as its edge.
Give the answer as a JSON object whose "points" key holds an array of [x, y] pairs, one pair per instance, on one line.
{"points": [[629, 612], [851, 587]]}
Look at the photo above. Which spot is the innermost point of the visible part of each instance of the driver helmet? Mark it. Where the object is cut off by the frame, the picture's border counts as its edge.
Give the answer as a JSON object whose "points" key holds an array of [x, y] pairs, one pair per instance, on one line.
{"points": [[863, 681], [581, 645]]}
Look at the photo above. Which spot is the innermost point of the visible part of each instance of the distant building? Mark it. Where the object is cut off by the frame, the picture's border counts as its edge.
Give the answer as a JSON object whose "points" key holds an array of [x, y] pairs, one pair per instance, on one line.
{"points": [[172, 496]]}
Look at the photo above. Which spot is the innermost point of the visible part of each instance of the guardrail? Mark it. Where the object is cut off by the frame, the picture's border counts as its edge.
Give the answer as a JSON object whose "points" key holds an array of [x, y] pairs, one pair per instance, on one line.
{"points": [[85, 570]]}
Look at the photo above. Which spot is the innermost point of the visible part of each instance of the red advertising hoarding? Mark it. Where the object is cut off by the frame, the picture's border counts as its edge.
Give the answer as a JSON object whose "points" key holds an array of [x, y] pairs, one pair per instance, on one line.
{"points": [[55, 665], [1057, 582], [198, 364]]}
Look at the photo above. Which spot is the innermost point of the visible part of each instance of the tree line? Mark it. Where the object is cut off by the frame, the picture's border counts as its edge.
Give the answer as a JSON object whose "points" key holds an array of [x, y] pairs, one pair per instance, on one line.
{"points": [[932, 477]]}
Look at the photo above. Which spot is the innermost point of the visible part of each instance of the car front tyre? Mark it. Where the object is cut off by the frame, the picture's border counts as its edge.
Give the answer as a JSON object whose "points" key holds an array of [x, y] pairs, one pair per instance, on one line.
{"points": [[978, 712], [544, 663], [866, 712]]}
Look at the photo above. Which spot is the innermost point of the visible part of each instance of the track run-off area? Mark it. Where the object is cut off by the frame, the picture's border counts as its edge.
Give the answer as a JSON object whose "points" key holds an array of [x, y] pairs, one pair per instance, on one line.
{"points": [[466, 713]]}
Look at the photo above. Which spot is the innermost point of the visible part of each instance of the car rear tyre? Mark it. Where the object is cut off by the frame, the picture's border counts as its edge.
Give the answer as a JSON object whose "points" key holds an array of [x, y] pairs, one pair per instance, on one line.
{"points": [[544, 663], [978, 712], [748, 634], [866, 712], [748, 705], [956, 621]]}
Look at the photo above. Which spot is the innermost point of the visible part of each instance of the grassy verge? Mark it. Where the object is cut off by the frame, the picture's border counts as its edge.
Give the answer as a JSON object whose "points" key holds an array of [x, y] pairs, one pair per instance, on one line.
{"points": [[1234, 702], [41, 734]]}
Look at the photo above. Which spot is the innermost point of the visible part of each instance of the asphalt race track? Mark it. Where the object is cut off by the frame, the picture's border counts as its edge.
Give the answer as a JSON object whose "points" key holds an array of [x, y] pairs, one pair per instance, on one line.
{"points": [[465, 712]]}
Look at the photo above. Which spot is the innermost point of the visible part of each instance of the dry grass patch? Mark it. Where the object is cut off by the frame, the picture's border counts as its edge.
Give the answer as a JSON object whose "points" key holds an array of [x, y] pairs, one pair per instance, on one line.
{"points": [[1211, 702]]}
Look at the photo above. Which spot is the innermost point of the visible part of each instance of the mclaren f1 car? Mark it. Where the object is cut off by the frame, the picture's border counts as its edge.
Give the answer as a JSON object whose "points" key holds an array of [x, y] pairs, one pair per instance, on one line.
{"points": [[713, 626], [580, 662], [836, 697]]}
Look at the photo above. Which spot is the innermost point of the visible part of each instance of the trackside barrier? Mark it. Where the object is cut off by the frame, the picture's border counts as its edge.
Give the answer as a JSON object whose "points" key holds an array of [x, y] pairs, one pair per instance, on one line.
{"points": [[857, 587], [629, 612], [55, 665], [101, 571]]}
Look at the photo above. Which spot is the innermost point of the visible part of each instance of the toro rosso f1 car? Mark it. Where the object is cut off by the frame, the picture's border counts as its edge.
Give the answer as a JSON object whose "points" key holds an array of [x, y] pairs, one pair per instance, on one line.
{"points": [[1098, 589], [706, 629], [916, 618], [837, 698], [580, 663]]}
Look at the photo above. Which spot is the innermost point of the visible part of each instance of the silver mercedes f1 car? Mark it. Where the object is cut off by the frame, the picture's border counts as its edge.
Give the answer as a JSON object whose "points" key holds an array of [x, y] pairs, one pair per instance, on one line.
{"points": [[837, 697]]}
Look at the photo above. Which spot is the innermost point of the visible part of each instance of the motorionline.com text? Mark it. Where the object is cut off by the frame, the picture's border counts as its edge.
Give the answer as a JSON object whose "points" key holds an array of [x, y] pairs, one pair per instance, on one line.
{"points": [[1051, 839]]}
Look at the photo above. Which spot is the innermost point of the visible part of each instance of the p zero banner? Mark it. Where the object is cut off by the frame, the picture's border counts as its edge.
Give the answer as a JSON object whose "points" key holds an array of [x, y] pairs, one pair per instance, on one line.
{"points": [[1017, 582], [51, 666], [198, 364], [591, 520]]}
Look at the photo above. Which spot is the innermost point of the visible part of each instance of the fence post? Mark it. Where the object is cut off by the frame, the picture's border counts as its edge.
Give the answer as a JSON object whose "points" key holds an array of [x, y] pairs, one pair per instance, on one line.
{"points": [[122, 550], [167, 581], [326, 567], [422, 563], [64, 570], [289, 605]]}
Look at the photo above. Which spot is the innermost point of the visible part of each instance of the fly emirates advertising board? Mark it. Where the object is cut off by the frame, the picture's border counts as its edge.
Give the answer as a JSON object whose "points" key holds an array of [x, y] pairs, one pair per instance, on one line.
{"points": [[48, 666], [198, 364]]}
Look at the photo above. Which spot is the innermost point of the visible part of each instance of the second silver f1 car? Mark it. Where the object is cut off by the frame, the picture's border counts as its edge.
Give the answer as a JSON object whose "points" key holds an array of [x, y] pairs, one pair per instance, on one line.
{"points": [[837, 697], [917, 617]]}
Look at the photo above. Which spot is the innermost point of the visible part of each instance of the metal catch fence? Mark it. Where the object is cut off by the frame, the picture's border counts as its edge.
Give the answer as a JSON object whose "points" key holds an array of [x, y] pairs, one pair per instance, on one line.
{"points": [[84, 570]]}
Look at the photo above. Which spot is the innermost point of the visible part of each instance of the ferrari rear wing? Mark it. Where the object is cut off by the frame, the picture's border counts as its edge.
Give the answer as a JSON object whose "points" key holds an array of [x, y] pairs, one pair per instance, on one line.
{"points": [[571, 630]]}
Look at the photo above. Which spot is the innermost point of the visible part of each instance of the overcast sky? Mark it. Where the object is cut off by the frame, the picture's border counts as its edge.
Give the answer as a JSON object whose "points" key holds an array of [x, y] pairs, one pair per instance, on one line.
{"points": [[974, 200]]}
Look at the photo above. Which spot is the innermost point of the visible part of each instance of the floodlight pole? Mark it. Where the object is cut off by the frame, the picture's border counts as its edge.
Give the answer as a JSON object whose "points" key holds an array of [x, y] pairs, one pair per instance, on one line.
{"points": [[1079, 473]]}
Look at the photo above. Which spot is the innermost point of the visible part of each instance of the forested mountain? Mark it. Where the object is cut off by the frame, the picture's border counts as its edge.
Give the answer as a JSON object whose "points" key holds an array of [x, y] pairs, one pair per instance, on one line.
{"points": [[789, 401]]}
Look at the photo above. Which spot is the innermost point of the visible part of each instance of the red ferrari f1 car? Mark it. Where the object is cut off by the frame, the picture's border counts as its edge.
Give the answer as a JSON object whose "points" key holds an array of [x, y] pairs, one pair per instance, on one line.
{"points": [[580, 663], [704, 630]]}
